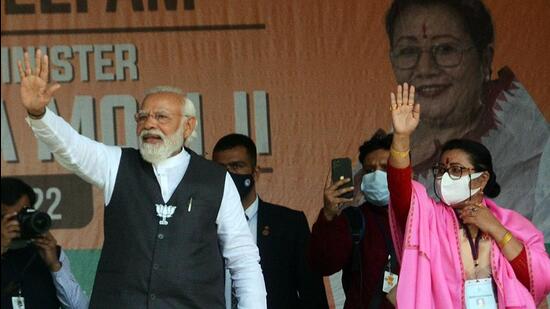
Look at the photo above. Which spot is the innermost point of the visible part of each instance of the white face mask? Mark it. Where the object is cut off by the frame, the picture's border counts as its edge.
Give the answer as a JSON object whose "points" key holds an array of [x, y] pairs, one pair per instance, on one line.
{"points": [[453, 191], [375, 187]]}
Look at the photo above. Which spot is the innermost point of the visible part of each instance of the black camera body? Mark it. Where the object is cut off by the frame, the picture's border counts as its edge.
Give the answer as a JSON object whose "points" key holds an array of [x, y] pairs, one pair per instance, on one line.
{"points": [[33, 222]]}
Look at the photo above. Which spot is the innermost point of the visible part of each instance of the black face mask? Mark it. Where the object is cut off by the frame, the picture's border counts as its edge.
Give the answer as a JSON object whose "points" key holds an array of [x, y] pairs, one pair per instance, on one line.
{"points": [[244, 183]]}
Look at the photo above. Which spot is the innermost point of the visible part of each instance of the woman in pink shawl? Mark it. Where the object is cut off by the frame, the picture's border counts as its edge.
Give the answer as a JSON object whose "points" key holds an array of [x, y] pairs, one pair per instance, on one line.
{"points": [[465, 251]]}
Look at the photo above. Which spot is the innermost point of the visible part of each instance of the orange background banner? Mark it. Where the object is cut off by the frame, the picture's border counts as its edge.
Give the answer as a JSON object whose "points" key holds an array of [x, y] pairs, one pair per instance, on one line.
{"points": [[321, 67]]}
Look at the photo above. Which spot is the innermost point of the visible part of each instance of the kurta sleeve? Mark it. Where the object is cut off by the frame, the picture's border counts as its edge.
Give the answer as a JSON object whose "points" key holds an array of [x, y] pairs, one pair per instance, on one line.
{"points": [[400, 187]]}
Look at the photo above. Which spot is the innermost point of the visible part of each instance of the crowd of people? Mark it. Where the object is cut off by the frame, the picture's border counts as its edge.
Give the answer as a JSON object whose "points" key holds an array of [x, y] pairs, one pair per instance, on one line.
{"points": [[199, 235]]}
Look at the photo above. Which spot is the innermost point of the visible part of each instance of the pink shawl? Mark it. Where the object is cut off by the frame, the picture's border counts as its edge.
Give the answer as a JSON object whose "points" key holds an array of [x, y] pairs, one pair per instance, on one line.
{"points": [[432, 274]]}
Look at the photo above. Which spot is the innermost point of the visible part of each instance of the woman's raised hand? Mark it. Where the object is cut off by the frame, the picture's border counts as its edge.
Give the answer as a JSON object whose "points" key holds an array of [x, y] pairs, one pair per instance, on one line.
{"points": [[35, 90], [405, 113]]}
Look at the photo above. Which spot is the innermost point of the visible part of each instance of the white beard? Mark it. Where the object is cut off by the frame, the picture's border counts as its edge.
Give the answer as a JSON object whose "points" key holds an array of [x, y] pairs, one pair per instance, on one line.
{"points": [[155, 153]]}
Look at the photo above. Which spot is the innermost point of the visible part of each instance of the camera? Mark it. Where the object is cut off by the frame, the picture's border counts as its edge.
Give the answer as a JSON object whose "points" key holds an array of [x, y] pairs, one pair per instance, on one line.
{"points": [[33, 222]]}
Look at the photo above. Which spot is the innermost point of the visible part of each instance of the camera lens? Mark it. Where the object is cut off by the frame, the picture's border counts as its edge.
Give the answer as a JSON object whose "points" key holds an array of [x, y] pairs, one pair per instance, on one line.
{"points": [[33, 223], [40, 222]]}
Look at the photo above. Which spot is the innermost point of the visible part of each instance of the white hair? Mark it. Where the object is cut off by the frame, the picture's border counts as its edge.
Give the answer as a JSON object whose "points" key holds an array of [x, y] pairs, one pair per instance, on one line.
{"points": [[188, 108], [164, 88], [190, 111]]}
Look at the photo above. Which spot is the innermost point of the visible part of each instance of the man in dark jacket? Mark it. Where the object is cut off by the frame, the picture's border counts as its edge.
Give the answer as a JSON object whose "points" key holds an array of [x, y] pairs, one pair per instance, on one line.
{"points": [[281, 233]]}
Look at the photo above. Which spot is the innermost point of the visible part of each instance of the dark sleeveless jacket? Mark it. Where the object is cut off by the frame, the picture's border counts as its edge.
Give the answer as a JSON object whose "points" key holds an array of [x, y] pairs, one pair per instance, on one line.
{"points": [[147, 264]]}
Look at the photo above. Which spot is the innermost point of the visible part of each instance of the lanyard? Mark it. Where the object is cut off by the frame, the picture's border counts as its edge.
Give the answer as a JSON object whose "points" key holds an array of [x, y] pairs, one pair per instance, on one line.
{"points": [[17, 284], [474, 244]]}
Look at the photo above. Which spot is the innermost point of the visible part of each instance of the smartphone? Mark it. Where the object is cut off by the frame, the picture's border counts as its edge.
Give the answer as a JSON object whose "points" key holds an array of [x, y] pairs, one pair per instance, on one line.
{"points": [[341, 169]]}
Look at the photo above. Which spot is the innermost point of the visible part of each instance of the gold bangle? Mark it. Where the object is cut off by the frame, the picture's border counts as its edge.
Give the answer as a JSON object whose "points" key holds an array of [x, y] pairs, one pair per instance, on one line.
{"points": [[399, 154], [505, 239]]}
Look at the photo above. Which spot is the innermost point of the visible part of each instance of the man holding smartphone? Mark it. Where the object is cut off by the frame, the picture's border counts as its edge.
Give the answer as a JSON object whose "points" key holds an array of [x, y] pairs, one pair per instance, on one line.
{"points": [[368, 261], [281, 233]]}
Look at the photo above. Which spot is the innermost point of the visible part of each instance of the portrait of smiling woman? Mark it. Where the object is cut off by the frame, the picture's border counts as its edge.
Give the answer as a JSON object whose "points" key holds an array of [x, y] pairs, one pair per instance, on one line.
{"points": [[445, 49]]}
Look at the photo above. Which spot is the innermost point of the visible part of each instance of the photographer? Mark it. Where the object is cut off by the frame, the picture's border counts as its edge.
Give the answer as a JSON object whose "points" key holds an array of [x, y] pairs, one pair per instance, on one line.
{"points": [[35, 271]]}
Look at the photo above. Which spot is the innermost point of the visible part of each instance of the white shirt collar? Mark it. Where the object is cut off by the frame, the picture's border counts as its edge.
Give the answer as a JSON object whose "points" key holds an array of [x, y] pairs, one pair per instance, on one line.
{"points": [[252, 210], [173, 161]]}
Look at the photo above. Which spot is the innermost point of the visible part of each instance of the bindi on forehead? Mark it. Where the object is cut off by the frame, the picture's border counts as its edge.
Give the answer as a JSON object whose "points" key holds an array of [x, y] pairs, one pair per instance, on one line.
{"points": [[424, 30]]}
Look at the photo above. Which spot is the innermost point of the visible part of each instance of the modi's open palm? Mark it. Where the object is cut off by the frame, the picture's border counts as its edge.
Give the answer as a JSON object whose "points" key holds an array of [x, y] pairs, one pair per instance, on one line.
{"points": [[35, 90], [405, 113]]}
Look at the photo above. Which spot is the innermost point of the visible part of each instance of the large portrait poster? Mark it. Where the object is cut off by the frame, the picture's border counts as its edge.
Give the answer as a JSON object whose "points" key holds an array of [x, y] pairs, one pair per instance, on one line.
{"points": [[307, 80]]}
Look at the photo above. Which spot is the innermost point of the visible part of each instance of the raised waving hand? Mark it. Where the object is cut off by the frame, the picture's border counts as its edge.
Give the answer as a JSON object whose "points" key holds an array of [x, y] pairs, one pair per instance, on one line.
{"points": [[405, 116], [405, 113], [36, 92]]}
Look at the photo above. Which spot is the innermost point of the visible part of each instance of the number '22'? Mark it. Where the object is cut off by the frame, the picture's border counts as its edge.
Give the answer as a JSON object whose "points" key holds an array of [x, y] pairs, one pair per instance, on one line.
{"points": [[51, 193]]}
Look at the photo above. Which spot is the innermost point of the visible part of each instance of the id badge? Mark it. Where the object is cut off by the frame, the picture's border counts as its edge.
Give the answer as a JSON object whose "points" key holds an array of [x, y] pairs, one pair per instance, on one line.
{"points": [[479, 294], [390, 280], [18, 302]]}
